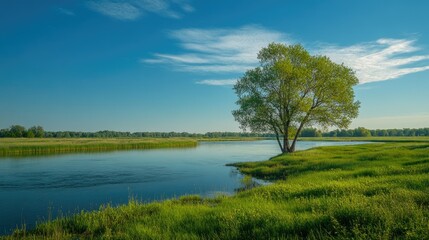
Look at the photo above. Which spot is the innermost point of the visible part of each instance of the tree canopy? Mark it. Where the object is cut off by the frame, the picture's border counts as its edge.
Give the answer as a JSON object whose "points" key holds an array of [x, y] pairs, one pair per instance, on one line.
{"points": [[292, 89]]}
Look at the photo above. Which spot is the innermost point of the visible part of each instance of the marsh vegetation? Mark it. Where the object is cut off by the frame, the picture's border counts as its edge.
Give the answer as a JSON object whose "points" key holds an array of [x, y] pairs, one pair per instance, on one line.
{"points": [[30, 146]]}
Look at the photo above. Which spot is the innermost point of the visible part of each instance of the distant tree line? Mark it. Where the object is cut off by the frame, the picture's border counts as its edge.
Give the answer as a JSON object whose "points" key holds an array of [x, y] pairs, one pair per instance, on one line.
{"points": [[17, 131], [362, 132], [357, 132]]}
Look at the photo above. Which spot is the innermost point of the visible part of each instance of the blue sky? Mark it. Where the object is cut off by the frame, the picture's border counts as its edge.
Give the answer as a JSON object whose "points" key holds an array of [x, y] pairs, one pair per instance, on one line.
{"points": [[169, 65]]}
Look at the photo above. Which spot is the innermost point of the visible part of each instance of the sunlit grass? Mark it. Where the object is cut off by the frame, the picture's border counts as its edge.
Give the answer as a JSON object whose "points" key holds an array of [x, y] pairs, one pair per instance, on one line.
{"points": [[369, 139], [371, 191]]}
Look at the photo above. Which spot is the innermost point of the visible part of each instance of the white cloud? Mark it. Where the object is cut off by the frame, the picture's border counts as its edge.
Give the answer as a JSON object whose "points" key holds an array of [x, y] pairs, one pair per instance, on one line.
{"points": [[217, 68], [184, 58], [66, 11], [380, 60], [219, 50], [235, 50], [161, 7], [133, 9], [118, 10], [184, 5], [187, 8], [217, 82]]}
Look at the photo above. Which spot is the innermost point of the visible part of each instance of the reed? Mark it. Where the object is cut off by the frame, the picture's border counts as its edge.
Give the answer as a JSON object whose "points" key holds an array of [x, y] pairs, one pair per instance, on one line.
{"points": [[25, 147]]}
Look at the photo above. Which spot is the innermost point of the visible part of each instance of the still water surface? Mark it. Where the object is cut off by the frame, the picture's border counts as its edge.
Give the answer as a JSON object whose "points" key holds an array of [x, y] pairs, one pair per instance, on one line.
{"points": [[34, 188]]}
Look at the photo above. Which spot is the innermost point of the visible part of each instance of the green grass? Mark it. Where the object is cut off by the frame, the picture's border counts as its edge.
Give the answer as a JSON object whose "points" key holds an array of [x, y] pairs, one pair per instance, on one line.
{"points": [[41, 146], [371, 191], [368, 139]]}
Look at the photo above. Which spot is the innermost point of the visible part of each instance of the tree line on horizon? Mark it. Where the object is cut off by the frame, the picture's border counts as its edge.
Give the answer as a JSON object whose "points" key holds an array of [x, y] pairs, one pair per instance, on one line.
{"points": [[363, 132], [18, 131]]}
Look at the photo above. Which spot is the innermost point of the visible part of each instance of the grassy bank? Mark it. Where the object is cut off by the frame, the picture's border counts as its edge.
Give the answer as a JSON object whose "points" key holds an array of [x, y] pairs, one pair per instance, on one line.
{"points": [[32, 146], [372, 191], [367, 139]]}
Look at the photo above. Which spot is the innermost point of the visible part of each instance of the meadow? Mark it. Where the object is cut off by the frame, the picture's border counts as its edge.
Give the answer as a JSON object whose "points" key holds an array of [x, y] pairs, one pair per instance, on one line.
{"points": [[370, 191], [369, 139], [41, 146]]}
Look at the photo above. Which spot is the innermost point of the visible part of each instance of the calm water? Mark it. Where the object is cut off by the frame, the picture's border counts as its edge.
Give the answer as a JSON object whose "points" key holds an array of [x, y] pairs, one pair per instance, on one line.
{"points": [[33, 188]]}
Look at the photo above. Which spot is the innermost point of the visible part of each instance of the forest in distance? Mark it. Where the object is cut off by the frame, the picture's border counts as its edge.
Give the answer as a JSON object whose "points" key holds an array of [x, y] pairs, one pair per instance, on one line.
{"points": [[18, 131]]}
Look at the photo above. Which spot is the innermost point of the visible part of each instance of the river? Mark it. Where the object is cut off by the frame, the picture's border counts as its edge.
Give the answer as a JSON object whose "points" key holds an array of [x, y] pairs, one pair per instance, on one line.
{"points": [[41, 187]]}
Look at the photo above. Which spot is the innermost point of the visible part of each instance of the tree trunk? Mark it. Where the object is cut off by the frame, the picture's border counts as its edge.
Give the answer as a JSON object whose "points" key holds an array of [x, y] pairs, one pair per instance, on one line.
{"points": [[286, 145], [280, 144], [292, 148], [278, 140]]}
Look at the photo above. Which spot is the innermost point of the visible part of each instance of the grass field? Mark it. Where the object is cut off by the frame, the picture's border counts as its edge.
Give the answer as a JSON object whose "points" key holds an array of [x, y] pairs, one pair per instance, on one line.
{"points": [[33, 146], [371, 191], [367, 139]]}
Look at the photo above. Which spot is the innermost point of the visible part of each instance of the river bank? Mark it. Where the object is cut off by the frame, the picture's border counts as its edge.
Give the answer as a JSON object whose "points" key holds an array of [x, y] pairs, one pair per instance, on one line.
{"points": [[370, 191]]}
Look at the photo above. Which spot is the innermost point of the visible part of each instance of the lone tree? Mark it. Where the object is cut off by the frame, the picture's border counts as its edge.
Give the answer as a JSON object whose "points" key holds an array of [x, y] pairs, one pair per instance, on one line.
{"points": [[291, 90]]}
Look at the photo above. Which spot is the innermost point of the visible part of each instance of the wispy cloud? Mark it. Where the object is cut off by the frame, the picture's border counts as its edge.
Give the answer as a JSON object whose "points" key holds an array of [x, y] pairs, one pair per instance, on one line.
{"points": [[217, 82], [218, 50], [235, 50], [133, 9], [66, 11], [380, 60], [118, 10]]}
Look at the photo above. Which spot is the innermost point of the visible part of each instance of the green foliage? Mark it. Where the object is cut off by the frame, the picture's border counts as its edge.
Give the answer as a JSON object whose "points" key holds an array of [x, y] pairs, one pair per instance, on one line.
{"points": [[372, 191], [310, 132], [16, 131], [30, 134], [291, 90], [362, 132], [37, 131], [406, 132]]}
